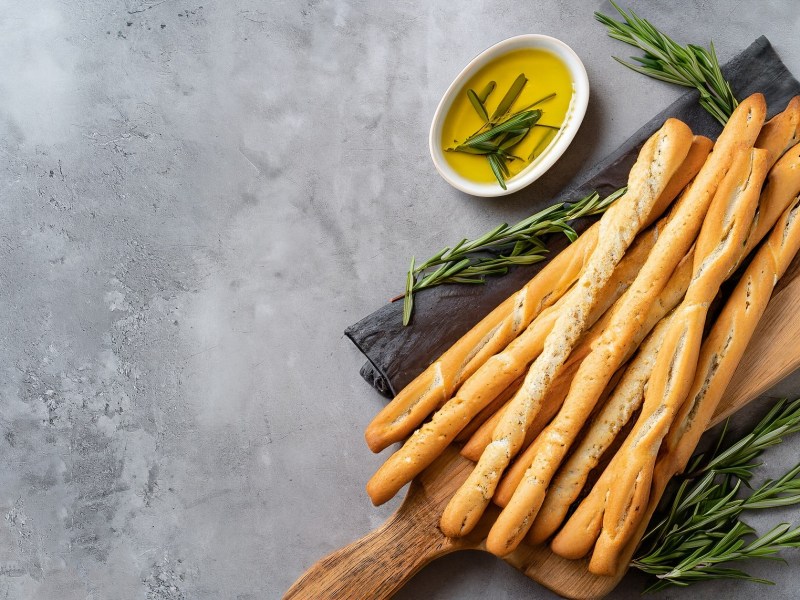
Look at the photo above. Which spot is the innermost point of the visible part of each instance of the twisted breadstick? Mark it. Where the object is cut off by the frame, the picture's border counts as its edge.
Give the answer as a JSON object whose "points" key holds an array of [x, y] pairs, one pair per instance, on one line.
{"points": [[579, 534], [434, 386], [611, 349], [624, 401], [657, 162], [718, 249]]}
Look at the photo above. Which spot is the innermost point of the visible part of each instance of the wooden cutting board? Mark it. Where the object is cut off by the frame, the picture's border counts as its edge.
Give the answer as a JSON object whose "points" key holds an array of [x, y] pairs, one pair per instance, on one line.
{"points": [[377, 565]]}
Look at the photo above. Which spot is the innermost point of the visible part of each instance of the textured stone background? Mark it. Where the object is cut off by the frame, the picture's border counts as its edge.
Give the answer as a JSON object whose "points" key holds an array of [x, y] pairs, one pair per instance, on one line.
{"points": [[196, 200]]}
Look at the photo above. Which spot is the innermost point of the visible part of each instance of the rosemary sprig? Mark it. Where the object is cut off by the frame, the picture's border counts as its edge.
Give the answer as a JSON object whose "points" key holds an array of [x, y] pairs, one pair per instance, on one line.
{"points": [[471, 261], [500, 133], [701, 529], [664, 59]]}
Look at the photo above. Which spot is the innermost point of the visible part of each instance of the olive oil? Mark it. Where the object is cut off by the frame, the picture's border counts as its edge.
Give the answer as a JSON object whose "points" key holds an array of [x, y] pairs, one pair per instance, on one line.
{"points": [[546, 74]]}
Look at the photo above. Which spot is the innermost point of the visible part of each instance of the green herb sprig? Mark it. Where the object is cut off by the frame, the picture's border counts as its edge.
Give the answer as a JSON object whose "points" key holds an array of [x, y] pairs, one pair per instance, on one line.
{"points": [[700, 531], [471, 261], [664, 59], [500, 132]]}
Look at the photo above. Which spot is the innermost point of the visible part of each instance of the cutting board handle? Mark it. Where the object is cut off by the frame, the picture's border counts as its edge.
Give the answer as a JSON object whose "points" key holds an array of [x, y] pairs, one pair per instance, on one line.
{"points": [[381, 562]]}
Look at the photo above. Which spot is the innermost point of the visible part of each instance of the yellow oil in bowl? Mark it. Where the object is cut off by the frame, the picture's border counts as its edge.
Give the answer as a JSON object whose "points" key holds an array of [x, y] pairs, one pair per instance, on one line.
{"points": [[546, 74]]}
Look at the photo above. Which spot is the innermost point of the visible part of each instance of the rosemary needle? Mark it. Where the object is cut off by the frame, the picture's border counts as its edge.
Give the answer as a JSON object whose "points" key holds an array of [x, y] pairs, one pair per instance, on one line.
{"points": [[690, 66], [471, 261], [700, 531]]}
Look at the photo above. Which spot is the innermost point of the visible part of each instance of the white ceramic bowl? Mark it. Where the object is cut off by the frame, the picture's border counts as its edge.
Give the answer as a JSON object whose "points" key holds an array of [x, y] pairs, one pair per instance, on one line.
{"points": [[572, 121]]}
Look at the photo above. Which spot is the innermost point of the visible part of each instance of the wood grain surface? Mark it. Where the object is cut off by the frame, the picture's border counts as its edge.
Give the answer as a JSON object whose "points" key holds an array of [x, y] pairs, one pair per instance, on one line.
{"points": [[377, 565]]}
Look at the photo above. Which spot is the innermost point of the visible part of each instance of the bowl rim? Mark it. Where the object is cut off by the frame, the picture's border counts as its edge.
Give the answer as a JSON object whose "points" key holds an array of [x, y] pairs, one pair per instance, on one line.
{"points": [[572, 122]]}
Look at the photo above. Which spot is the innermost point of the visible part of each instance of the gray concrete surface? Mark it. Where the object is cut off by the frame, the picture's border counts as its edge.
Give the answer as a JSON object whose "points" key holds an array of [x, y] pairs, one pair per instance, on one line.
{"points": [[197, 198]]}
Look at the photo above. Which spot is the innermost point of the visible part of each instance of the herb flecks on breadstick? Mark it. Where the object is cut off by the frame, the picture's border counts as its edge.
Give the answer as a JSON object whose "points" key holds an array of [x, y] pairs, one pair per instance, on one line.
{"points": [[611, 350], [718, 250], [658, 160]]}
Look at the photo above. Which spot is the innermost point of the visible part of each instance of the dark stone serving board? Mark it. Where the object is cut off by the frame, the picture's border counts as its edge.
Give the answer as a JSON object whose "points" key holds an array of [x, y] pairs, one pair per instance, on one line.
{"points": [[396, 354]]}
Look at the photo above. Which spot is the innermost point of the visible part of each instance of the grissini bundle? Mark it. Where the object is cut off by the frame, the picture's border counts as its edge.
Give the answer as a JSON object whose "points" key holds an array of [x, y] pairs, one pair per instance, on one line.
{"points": [[611, 350], [718, 250], [669, 298], [579, 534], [727, 342], [434, 386], [496, 373], [719, 356], [658, 160], [623, 402]]}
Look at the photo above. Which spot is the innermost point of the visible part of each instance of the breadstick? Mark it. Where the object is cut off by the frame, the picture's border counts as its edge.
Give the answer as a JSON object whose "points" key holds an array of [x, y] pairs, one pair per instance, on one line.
{"points": [[781, 132], [488, 413], [719, 357], [441, 379], [610, 350], [625, 400], [657, 161], [718, 250], [579, 534]]}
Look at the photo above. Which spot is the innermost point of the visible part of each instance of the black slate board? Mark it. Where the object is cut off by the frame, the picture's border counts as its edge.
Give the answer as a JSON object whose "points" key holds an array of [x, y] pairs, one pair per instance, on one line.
{"points": [[396, 354]]}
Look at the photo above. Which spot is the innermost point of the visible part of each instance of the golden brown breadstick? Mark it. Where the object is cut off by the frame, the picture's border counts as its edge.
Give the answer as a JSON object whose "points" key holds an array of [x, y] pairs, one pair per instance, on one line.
{"points": [[579, 534], [623, 402], [659, 158], [610, 350], [488, 413], [781, 132], [441, 379], [718, 250]]}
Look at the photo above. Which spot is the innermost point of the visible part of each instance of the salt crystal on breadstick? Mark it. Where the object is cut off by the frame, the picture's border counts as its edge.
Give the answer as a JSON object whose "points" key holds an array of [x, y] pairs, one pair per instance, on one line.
{"points": [[658, 160], [437, 384], [718, 249], [610, 350]]}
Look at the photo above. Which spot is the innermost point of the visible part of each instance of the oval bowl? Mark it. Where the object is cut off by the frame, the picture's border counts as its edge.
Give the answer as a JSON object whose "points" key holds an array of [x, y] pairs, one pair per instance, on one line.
{"points": [[557, 146]]}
